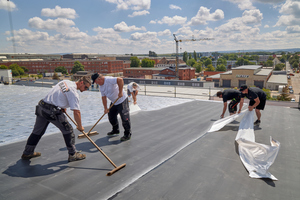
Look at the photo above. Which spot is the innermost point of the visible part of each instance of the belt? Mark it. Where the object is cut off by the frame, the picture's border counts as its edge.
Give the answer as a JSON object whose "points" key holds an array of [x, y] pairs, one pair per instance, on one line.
{"points": [[47, 105]]}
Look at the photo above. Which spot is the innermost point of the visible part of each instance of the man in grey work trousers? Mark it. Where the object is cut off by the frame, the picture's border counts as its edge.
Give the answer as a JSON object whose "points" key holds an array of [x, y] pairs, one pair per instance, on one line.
{"points": [[50, 110]]}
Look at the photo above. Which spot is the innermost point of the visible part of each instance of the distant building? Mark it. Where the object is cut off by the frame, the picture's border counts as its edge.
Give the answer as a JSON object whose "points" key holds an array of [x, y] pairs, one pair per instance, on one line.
{"points": [[164, 62], [252, 75], [96, 66], [16, 56], [6, 76], [185, 73]]}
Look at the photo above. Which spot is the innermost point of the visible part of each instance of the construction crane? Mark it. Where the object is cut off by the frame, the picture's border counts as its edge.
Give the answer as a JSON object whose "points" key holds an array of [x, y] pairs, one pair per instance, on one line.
{"points": [[185, 40]]}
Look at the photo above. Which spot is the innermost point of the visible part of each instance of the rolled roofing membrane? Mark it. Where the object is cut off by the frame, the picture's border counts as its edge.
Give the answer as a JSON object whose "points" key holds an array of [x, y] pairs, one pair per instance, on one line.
{"points": [[257, 158]]}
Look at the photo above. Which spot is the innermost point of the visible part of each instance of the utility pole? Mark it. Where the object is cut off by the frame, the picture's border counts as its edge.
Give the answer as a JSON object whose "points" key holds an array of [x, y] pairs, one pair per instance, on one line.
{"points": [[185, 40]]}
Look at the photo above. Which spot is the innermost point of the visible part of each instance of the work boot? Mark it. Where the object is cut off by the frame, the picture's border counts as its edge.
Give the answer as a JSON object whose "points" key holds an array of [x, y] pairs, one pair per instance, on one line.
{"points": [[76, 156], [257, 122], [112, 133], [125, 138], [28, 157]]}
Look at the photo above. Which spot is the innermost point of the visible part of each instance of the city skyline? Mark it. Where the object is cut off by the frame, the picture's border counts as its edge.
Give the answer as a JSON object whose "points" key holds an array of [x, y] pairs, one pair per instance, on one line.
{"points": [[135, 26]]}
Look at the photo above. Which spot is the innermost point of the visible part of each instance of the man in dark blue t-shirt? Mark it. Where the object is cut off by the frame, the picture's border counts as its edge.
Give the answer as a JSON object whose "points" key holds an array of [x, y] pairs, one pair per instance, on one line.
{"points": [[257, 99], [234, 96]]}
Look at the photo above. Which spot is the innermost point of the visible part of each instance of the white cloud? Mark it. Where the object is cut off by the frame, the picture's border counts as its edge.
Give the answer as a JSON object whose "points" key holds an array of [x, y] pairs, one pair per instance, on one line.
{"points": [[166, 32], [131, 4], [293, 29], [292, 10], [50, 24], [152, 22], [266, 26], [23, 35], [204, 15], [270, 1], [233, 25], [123, 27], [139, 13], [101, 30], [148, 36], [59, 12], [287, 20], [176, 20], [7, 5], [243, 4], [252, 16], [291, 7], [174, 7]]}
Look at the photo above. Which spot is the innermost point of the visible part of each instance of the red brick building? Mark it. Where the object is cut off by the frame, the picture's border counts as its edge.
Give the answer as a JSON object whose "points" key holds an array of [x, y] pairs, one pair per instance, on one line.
{"points": [[185, 73], [101, 66], [140, 72]]}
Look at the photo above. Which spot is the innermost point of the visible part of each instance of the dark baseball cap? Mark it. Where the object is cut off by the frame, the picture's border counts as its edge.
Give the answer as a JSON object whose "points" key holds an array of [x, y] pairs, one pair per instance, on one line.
{"points": [[94, 77], [243, 87]]}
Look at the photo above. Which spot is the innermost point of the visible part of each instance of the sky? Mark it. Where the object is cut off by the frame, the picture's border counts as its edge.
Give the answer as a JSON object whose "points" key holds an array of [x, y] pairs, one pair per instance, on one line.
{"points": [[140, 26]]}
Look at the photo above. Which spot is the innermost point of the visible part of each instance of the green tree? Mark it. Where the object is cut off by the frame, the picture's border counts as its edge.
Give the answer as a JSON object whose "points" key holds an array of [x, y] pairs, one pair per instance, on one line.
{"points": [[191, 62], [61, 69], [268, 93], [284, 96], [185, 56], [195, 55], [221, 68], [198, 66], [283, 58], [25, 69], [279, 67], [77, 67], [135, 62], [16, 70], [146, 62], [55, 76], [221, 61], [208, 62], [254, 57], [269, 63], [295, 65], [210, 68], [190, 56], [3, 67]]}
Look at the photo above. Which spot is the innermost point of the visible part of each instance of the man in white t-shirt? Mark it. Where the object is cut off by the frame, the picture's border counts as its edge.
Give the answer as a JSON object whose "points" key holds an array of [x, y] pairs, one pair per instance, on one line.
{"points": [[50, 110], [112, 88], [133, 90]]}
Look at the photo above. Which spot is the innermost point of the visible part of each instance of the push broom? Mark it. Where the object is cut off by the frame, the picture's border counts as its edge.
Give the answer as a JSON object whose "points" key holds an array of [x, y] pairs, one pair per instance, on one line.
{"points": [[116, 167], [95, 132]]}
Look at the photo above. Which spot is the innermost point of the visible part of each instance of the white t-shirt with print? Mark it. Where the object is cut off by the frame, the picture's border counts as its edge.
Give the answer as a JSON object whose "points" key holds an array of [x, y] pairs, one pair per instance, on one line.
{"points": [[64, 95], [110, 89]]}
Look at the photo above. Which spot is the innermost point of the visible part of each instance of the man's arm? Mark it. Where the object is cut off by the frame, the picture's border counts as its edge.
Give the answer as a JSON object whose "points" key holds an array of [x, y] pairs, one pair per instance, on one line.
{"points": [[120, 83], [104, 102], [257, 101], [224, 109], [77, 117], [134, 97], [241, 105]]}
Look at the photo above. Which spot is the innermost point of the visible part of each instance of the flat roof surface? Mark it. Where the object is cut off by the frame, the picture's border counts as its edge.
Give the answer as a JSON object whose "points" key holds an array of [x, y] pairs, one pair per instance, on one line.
{"points": [[281, 79], [170, 156], [263, 72], [248, 67]]}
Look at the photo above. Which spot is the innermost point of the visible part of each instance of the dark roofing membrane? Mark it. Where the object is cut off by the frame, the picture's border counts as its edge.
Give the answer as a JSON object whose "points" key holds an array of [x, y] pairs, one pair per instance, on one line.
{"points": [[170, 156]]}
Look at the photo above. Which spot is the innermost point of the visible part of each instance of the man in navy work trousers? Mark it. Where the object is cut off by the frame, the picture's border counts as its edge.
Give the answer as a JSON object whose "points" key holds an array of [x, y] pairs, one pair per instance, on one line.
{"points": [[234, 96], [257, 99], [112, 88], [50, 110]]}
